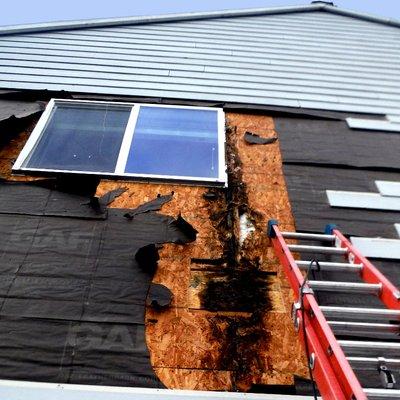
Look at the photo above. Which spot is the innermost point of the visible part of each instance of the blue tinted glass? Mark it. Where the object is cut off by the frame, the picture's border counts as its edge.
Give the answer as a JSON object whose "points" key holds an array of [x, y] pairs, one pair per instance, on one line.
{"points": [[81, 138], [175, 141]]}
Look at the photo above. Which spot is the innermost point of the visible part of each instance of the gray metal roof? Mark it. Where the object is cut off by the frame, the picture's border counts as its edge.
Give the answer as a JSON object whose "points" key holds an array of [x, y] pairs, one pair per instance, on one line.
{"points": [[314, 56]]}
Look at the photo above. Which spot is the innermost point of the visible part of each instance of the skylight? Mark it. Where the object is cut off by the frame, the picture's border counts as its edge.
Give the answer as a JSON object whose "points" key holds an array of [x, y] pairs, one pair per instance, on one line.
{"points": [[127, 140]]}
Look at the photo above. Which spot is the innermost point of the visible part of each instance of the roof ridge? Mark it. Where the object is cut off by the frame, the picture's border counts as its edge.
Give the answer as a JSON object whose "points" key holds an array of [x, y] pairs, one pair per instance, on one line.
{"points": [[140, 20]]}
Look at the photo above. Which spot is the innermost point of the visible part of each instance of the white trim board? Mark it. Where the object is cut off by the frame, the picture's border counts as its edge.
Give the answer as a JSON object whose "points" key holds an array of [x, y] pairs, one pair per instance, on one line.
{"points": [[377, 247], [20, 390], [375, 201], [375, 125], [388, 188]]}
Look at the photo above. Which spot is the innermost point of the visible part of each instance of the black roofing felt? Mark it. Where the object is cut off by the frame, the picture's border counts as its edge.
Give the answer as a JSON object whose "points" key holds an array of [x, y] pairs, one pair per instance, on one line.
{"points": [[19, 109], [320, 155], [307, 187], [330, 142], [72, 294]]}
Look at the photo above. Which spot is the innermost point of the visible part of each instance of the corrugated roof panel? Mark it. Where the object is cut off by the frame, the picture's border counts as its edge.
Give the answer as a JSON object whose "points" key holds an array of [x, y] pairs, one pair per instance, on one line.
{"points": [[312, 59]]}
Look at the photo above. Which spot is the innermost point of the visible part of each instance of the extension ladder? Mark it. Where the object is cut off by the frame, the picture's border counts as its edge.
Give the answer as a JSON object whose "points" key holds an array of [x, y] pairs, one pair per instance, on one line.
{"points": [[332, 361]]}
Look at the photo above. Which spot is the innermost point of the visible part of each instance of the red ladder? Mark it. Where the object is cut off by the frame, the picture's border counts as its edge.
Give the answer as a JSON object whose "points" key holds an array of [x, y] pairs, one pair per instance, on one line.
{"points": [[332, 369]]}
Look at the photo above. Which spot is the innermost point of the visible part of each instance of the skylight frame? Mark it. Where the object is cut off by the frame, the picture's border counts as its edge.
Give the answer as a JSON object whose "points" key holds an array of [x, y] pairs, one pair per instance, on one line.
{"points": [[127, 140]]}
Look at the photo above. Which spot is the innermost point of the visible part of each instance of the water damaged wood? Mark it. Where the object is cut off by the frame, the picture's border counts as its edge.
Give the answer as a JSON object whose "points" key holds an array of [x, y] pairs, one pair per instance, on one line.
{"points": [[241, 286], [228, 327]]}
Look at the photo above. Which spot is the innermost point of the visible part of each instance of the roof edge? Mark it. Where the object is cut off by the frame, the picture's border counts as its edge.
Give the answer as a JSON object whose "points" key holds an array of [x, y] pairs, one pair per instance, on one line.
{"points": [[363, 16], [105, 22]]}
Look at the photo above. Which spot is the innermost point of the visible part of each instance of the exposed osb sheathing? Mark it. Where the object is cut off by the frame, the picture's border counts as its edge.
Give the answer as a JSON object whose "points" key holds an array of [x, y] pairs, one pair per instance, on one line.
{"points": [[193, 347], [209, 339], [9, 153]]}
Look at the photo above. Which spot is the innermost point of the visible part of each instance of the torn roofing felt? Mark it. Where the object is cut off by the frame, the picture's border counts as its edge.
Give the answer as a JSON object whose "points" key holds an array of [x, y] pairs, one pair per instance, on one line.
{"points": [[15, 116], [307, 187], [320, 155], [328, 142], [152, 205], [19, 109], [253, 138], [72, 294]]}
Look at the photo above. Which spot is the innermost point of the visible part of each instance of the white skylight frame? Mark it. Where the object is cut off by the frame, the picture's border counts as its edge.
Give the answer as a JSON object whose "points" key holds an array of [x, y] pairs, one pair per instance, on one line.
{"points": [[39, 129]]}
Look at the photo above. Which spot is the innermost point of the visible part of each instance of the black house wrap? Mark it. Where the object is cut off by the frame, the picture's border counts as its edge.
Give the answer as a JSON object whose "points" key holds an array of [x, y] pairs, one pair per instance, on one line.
{"points": [[72, 294]]}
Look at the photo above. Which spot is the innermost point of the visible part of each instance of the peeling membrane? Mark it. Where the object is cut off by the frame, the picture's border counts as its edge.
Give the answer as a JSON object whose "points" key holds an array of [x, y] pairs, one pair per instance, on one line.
{"points": [[253, 138], [75, 284]]}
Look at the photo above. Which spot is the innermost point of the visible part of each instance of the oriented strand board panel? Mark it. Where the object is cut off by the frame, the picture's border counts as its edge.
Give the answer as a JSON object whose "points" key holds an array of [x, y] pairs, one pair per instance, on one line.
{"points": [[216, 323]]}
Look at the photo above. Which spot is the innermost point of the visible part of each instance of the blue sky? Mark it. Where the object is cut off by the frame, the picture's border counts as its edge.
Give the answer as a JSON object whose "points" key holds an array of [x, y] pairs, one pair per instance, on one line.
{"points": [[29, 11]]}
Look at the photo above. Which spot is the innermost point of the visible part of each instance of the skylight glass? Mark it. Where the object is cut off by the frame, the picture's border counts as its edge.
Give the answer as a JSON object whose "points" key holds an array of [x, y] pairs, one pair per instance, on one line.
{"points": [[80, 138], [181, 142]]}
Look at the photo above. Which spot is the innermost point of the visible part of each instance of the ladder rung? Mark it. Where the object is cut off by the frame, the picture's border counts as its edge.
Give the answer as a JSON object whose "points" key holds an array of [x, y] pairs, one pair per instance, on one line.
{"points": [[308, 236], [352, 327], [346, 287], [372, 363], [360, 313], [370, 348], [331, 266], [316, 249], [382, 394]]}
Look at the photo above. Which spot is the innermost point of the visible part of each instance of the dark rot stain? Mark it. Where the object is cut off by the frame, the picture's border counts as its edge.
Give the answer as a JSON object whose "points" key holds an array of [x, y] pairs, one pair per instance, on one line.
{"points": [[239, 286], [244, 291]]}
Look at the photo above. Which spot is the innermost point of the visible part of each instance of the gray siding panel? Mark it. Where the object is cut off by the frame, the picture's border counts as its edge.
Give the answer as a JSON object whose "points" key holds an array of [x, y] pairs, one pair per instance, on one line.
{"points": [[306, 59]]}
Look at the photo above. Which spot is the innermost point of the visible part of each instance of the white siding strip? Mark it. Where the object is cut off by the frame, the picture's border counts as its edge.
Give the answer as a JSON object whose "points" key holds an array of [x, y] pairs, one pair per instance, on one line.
{"points": [[287, 30], [359, 123], [377, 247], [397, 227], [388, 188], [123, 74], [303, 81], [276, 51], [153, 59], [373, 201], [291, 45]]}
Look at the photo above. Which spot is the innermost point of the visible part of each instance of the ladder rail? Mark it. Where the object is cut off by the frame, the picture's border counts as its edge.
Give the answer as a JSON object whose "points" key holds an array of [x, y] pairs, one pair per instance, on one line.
{"points": [[328, 384], [329, 355], [389, 294]]}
